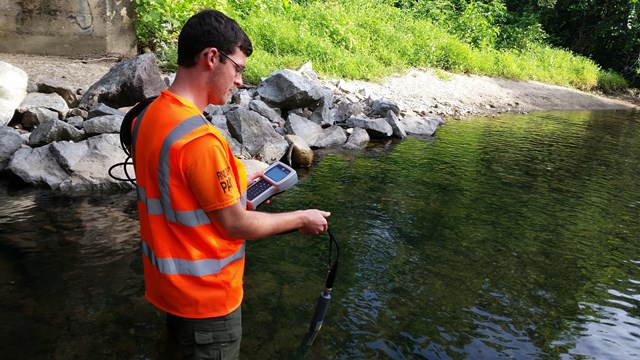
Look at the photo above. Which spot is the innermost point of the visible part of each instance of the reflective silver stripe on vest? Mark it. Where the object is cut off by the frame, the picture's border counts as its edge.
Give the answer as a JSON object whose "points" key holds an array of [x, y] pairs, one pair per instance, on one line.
{"points": [[153, 205], [162, 206], [191, 217], [173, 266]]}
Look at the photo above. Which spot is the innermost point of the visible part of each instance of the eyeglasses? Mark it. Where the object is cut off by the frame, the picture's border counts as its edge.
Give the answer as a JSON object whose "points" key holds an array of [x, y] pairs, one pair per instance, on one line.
{"points": [[239, 68]]}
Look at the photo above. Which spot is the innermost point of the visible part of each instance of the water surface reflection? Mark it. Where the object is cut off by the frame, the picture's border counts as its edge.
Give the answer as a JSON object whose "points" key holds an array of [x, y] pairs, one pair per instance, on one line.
{"points": [[506, 237]]}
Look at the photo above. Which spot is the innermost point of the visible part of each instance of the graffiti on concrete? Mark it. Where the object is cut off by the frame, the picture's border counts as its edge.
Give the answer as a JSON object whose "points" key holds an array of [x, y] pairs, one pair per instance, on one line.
{"points": [[44, 17], [84, 17]]}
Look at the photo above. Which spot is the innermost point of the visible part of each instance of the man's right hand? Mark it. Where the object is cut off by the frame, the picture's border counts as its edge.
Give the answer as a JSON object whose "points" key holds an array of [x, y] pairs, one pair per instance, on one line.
{"points": [[315, 222]]}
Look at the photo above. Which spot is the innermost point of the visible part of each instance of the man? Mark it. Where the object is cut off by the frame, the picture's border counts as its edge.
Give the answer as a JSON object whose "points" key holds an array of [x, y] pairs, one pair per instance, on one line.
{"points": [[193, 217]]}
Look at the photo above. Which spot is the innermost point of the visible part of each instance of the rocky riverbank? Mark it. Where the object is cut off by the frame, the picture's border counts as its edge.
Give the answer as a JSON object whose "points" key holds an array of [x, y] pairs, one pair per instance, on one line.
{"points": [[64, 138], [64, 133]]}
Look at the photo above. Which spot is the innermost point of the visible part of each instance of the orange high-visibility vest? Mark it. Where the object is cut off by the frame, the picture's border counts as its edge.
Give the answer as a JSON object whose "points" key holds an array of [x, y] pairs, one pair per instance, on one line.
{"points": [[189, 269]]}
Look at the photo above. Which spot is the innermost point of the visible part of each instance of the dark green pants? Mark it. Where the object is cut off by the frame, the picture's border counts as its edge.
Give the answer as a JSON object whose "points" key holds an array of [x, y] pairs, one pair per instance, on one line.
{"points": [[209, 338]]}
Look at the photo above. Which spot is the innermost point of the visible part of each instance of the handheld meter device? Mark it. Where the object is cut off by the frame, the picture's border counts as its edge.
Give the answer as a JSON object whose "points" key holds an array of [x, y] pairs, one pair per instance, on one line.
{"points": [[277, 178]]}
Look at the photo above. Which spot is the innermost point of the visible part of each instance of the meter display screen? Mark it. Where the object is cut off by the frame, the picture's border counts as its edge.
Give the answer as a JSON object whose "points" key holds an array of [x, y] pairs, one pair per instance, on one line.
{"points": [[276, 173]]}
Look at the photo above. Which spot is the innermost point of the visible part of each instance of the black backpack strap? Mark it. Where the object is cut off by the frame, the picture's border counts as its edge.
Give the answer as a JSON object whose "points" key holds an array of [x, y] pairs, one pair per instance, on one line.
{"points": [[125, 129]]}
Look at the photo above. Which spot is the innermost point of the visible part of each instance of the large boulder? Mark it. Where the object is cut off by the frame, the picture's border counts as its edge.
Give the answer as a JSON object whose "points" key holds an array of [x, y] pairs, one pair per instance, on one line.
{"points": [[87, 163], [69, 166], [37, 167], [305, 128], [126, 83], [257, 135], [13, 89], [287, 89]]}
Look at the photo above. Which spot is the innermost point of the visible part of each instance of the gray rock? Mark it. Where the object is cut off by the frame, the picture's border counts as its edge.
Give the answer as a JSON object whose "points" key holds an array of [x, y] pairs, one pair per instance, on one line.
{"points": [[396, 125], [322, 113], [68, 166], [287, 89], [377, 128], [54, 130], [255, 132], [306, 129], [228, 107], [213, 110], [381, 107], [102, 109], [10, 142], [242, 97], [78, 112], [169, 78], [126, 83], [358, 139], [76, 121], [32, 118], [32, 87], [106, 124], [53, 102], [220, 123], [426, 125], [37, 167], [87, 164], [331, 137], [263, 109], [13, 89], [345, 109], [51, 86]]}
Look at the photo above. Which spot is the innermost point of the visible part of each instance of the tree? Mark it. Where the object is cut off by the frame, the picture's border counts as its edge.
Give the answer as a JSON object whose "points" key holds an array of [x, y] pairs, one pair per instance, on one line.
{"points": [[607, 31]]}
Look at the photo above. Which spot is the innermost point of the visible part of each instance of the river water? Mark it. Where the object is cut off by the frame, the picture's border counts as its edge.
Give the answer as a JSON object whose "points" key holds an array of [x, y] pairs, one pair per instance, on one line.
{"points": [[507, 237]]}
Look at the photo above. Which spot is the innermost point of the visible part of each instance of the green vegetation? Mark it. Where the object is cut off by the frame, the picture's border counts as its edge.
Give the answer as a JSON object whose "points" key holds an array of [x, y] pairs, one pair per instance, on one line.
{"points": [[370, 39]]}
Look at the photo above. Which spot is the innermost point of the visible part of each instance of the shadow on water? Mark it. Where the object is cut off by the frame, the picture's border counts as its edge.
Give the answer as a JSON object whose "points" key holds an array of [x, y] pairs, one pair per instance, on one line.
{"points": [[513, 236], [71, 277]]}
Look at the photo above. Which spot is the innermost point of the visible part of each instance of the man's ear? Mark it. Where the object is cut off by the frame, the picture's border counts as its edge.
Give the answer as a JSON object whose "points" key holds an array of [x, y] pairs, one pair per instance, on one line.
{"points": [[210, 56]]}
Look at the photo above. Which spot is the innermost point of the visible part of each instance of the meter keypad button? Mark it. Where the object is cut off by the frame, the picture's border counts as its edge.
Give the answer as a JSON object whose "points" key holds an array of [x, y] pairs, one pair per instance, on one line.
{"points": [[257, 189]]}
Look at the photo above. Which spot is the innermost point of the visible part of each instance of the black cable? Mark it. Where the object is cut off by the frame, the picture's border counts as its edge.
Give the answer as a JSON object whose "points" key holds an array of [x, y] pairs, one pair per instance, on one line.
{"points": [[126, 139], [333, 269], [325, 295], [124, 164]]}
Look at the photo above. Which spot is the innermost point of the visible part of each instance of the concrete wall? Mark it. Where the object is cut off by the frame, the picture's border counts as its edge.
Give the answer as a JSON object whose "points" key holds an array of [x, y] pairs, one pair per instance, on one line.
{"points": [[88, 28]]}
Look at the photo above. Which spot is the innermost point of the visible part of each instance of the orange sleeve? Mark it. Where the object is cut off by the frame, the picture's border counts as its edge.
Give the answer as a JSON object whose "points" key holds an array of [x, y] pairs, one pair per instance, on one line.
{"points": [[208, 173]]}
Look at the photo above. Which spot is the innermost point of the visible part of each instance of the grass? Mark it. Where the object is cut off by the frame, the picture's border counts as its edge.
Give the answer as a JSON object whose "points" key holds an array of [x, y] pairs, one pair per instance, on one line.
{"points": [[368, 40]]}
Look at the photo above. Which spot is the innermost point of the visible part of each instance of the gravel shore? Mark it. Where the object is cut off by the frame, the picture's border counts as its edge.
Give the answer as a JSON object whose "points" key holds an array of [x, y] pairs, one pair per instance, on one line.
{"points": [[421, 91]]}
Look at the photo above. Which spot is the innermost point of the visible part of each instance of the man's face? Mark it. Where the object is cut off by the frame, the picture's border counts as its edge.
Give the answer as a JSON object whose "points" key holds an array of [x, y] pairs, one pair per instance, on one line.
{"points": [[225, 76]]}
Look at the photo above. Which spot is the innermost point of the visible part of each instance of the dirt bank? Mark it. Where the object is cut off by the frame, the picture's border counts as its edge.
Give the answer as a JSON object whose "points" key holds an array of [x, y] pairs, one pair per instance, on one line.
{"points": [[448, 95]]}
